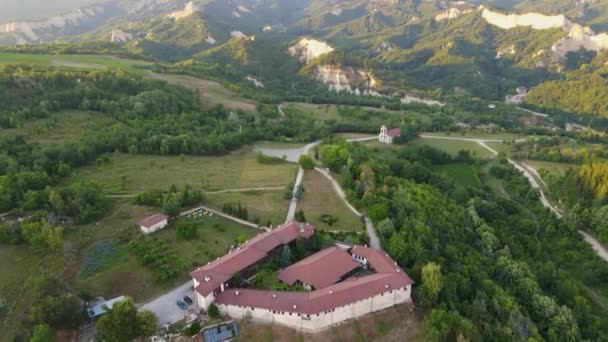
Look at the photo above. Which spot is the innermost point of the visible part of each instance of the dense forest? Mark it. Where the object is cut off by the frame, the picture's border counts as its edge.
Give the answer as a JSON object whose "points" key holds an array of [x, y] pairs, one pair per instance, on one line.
{"points": [[520, 283]]}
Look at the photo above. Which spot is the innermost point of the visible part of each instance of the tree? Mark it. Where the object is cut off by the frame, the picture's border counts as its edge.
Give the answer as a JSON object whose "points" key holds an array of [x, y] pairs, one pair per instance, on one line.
{"points": [[186, 230], [59, 311], [300, 217], [213, 311], [56, 202], [386, 228], [147, 324], [122, 323], [306, 162], [377, 212], [299, 249], [285, 256], [432, 283], [3, 308], [42, 333], [193, 329]]}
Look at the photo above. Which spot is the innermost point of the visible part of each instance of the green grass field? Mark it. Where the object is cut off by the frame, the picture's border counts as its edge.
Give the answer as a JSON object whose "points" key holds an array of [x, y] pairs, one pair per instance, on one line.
{"points": [[239, 169], [212, 93], [76, 61], [261, 205], [474, 135], [320, 198], [65, 126], [454, 146], [315, 111], [551, 168], [462, 173]]}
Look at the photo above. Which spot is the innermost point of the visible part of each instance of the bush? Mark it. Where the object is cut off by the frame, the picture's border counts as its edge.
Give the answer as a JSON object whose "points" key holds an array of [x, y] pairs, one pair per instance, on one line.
{"points": [[306, 162], [193, 329], [213, 311], [186, 229], [329, 219], [264, 159]]}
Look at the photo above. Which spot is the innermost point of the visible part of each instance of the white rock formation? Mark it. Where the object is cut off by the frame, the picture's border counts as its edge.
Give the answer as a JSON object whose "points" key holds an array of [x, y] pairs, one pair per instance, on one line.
{"points": [[579, 37], [210, 40], [451, 13], [120, 36], [244, 9], [236, 14], [407, 99], [307, 49], [257, 83], [189, 10], [536, 21], [355, 81], [32, 31], [237, 34]]}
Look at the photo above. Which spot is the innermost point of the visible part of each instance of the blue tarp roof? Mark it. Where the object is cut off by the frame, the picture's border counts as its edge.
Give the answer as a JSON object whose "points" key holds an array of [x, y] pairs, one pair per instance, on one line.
{"points": [[221, 332]]}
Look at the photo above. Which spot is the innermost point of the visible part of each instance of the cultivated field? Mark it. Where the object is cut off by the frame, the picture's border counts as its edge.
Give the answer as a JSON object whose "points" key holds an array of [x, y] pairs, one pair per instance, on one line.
{"points": [[261, 205], [239, 169], [61, 127], [212, 93], [77, 61], [320, 198], [128, 276]]}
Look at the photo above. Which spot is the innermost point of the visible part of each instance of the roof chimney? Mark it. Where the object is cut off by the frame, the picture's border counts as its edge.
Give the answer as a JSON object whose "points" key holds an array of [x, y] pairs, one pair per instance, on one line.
{"points": [[386, 286], [274, 295], [330, 291], [294, 307], [207, 279], [236, 293]]}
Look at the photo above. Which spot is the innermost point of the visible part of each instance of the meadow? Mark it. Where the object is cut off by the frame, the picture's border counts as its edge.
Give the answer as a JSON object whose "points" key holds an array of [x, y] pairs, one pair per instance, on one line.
{"points": [[77, 61], [461, 173], [133, 174], [212, 93], [320, 198], [261, 205]]}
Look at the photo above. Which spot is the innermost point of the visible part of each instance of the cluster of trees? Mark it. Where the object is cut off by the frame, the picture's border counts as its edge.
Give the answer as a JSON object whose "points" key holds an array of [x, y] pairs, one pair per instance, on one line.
{"points": [[595, 177], [171, 201], [487, 266], [123, 323], [236, 210], [35, 231]]}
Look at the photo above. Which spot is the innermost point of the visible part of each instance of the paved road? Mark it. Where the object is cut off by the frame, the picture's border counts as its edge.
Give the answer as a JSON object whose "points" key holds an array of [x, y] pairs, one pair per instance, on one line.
{"points": [[535, 181], [165, 306], [374, 242], [293, 203]]}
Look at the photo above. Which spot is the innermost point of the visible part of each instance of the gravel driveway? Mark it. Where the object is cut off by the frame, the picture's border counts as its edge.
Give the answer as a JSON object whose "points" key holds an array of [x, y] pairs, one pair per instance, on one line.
{"points": [[165, 308]]}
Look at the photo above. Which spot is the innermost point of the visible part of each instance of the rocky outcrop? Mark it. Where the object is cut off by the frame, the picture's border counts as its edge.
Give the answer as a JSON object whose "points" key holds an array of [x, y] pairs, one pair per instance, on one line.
{"points": [[451, 13], [33, 32], [257, 83], [348, 79], [536, 21], [307, 49], [579, 37], [189, 10], [120, 36], [237, 34]]}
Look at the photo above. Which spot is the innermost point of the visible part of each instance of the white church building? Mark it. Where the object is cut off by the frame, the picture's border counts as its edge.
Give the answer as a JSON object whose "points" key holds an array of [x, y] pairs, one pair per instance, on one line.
{"points": [[388, 135]]}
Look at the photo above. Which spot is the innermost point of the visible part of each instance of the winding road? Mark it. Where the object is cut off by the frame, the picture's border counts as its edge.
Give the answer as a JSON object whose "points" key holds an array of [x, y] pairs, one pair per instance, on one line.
{"points": [[535, 181]]}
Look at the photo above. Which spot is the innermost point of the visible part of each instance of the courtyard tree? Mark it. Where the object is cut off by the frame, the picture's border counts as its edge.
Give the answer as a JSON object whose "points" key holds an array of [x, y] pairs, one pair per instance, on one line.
{"points": [[285, 256], [432, 283]]}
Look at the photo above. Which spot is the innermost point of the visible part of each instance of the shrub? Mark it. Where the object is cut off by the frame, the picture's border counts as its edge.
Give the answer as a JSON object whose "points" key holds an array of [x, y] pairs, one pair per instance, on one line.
{"points": [[329, 219], [306, 162], [213, 311]]}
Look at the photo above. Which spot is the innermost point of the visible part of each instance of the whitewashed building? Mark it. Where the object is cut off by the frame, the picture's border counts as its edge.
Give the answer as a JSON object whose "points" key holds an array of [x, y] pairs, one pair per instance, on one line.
{"points": [[153, 223], [338, 294], [388, 135]]}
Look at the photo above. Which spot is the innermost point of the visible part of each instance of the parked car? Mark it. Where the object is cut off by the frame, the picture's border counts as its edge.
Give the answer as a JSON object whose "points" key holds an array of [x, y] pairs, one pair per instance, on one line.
{"points": [[188, 300], [181, 304]]}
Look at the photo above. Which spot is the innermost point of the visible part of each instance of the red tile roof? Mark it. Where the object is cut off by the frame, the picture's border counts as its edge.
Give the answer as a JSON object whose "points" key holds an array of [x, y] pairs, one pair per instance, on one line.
{"points": [[394, 132], [377, 259], [152, 220], [217, 272], [320, 269], [317, 301]]}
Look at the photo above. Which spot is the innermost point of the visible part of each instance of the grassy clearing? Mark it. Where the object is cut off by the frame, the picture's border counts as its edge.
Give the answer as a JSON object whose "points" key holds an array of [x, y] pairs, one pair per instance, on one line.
{"points": [[76, 61], [315, 111], [473, 135], [320, 198], [22, 277], [236, 170], [128, 276], [261, 205], [454, 146], [212, 93], [462, 173], [550, 168], [61, 127]]}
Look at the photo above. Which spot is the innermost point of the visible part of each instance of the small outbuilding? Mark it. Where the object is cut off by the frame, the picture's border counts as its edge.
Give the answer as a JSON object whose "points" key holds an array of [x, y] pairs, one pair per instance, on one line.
{"points": [[153, 223], [101, 307]]}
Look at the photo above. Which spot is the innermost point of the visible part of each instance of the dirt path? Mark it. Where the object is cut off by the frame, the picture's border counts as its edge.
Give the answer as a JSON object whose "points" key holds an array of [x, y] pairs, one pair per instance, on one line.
{"points": [[293, 203], [374, 242]]}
